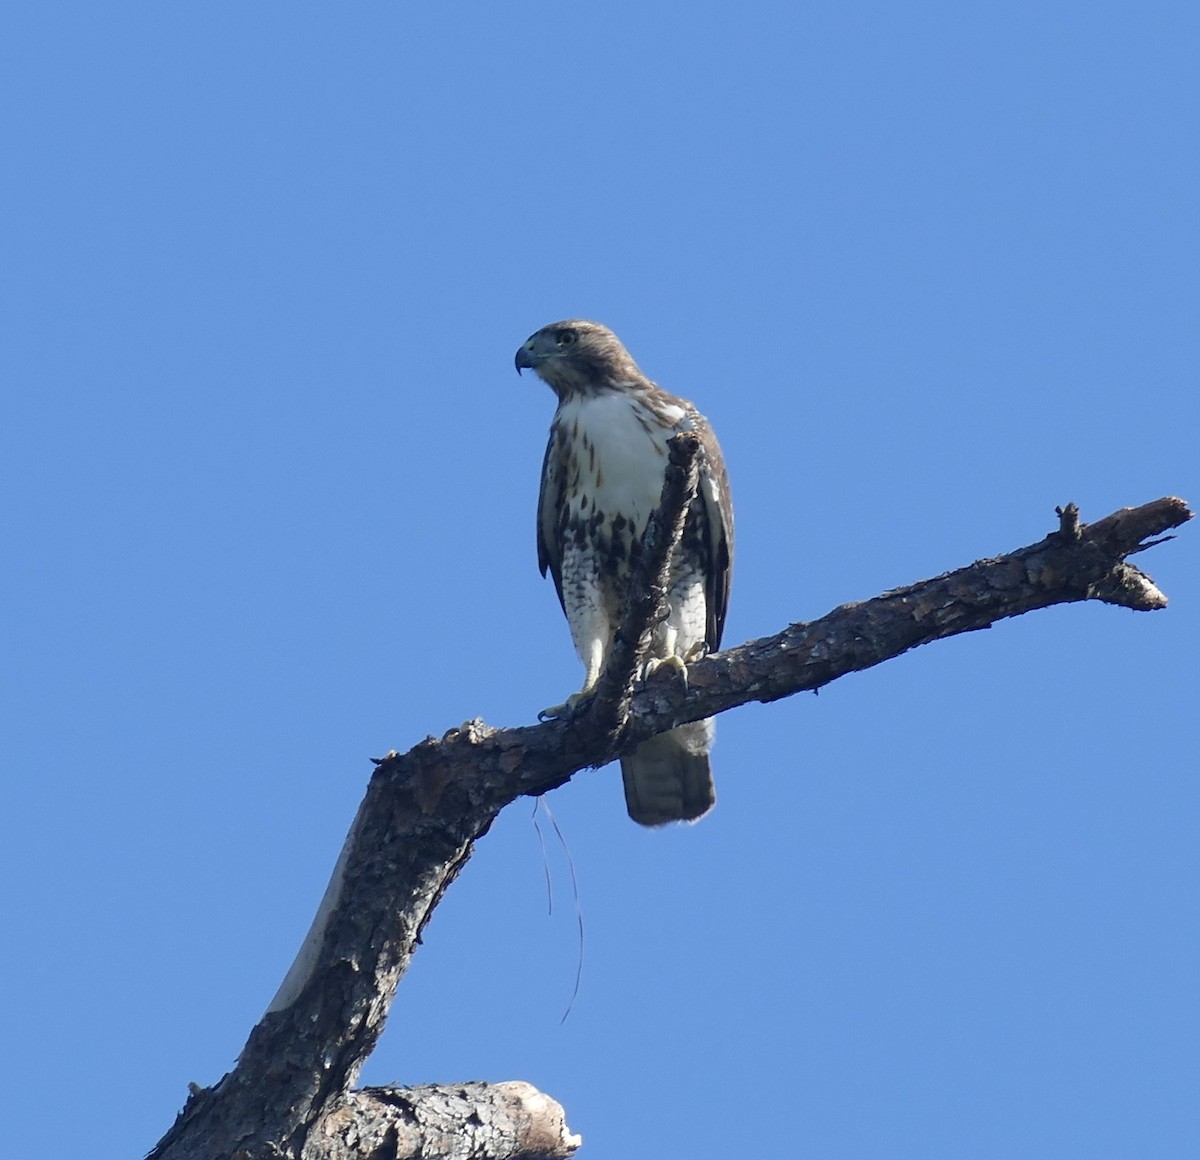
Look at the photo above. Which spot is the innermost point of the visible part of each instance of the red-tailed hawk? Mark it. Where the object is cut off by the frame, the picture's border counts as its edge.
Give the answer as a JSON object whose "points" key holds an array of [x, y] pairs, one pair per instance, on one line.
{"points": [[601, 478]]}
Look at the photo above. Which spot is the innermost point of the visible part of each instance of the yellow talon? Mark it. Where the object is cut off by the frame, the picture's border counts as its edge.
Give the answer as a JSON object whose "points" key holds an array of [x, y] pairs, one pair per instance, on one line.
{"points": [[671, 662], [568, 708]]}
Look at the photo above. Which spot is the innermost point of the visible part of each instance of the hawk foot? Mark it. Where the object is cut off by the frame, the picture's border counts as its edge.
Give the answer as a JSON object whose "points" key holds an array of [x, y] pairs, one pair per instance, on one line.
{"points": [[680, 664], [654, 664], [572, 705]]}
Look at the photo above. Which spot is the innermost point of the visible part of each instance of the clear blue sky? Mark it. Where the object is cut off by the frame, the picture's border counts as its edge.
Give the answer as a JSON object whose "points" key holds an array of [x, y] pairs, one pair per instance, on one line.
{"points": [[268, 492]]}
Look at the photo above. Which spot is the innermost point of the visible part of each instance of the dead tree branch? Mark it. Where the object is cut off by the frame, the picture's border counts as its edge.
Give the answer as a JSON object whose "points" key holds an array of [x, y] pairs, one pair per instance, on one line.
{"points": [[290, 1092], [498, 1121]]}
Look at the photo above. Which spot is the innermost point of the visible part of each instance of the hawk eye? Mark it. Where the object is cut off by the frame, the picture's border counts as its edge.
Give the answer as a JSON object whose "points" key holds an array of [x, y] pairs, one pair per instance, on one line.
{"points": [[566, 337]]}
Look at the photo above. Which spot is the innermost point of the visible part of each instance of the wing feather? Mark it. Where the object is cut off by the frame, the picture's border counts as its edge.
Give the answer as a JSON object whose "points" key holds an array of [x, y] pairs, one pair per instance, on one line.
{"points": [[717, 508], [550, 511]]}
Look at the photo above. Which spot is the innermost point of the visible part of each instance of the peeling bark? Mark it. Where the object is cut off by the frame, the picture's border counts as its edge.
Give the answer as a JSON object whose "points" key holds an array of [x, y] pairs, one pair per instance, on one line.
{"points": [[500, 1121], [289, 1095]]}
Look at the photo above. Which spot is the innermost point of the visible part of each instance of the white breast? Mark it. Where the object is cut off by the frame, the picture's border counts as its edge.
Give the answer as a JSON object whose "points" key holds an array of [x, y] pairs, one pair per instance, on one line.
{"points": [[630, 455]]}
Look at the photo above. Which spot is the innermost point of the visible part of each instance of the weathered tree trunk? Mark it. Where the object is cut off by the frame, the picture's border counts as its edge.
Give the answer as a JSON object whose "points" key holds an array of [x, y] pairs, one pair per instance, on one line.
{"points": [[290, 1093]]}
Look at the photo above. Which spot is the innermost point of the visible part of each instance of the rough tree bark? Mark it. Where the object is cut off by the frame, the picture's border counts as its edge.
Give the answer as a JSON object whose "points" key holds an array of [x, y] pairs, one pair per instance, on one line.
{"points": [[290, 1093]]}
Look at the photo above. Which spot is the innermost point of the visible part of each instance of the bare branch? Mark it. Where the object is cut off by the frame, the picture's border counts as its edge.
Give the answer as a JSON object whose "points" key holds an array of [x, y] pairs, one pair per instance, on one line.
{"points": [[425, 808]]}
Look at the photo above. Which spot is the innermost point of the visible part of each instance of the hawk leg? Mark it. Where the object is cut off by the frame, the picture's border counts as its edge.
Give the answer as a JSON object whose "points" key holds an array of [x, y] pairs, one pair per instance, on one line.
{"points": [[592, 644]]}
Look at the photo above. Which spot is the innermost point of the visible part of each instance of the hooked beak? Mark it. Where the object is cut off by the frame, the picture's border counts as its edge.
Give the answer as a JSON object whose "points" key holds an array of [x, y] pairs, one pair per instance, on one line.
{"points": [[524, 360]]}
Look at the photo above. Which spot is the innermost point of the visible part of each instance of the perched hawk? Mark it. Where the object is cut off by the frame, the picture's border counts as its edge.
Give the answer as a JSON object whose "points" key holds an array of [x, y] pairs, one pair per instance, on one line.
{"points": [[601, 478]]}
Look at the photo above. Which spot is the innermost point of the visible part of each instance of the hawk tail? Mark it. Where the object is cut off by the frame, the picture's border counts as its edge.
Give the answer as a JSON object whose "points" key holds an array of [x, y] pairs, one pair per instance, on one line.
{"points": [[668, 778]]}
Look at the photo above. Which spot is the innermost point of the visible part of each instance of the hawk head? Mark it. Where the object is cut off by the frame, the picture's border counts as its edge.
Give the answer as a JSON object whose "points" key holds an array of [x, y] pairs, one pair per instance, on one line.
{"points": [[578, 357]]}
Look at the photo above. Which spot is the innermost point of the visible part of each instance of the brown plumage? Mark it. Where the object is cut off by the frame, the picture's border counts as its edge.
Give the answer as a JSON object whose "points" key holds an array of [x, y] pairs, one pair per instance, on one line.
{"points": [[601, 478]]}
